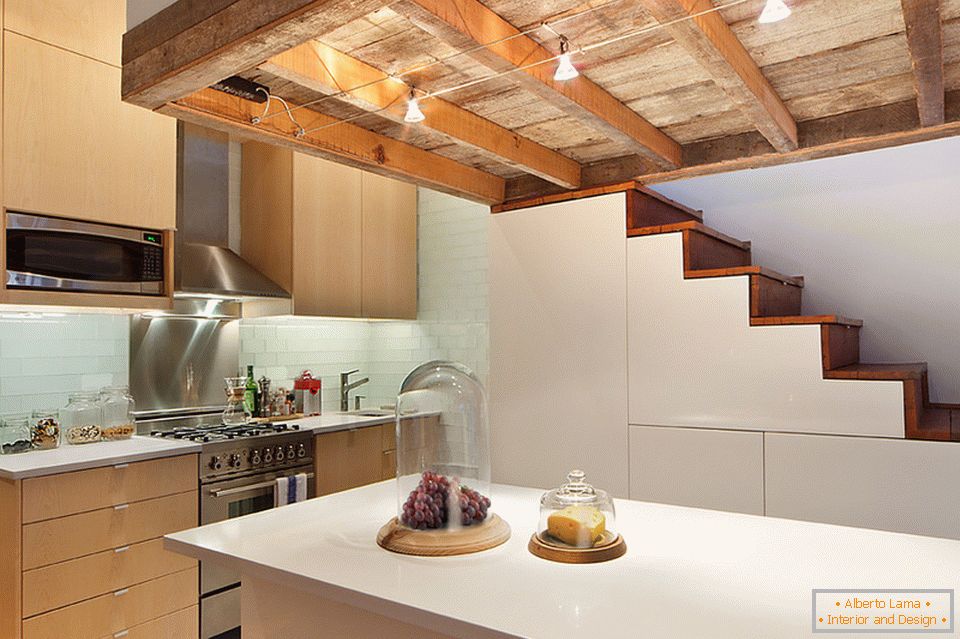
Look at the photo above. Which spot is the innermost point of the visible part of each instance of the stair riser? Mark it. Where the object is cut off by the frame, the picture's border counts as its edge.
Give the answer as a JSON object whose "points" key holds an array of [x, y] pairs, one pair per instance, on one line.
{"points": [[701, 252], [644, 211], [772, 298], [840, 345]]}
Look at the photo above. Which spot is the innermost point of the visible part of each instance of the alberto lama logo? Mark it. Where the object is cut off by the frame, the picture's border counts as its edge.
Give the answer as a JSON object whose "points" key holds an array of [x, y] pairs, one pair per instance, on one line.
{"points": [[849, 610]]}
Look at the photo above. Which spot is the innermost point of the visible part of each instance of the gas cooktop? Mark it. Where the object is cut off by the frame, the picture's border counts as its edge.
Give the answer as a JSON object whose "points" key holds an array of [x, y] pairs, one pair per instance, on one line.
{"points": [[221, 432]]}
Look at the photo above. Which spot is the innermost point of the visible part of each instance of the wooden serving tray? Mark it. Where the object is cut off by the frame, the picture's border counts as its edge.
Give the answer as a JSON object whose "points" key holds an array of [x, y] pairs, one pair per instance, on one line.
{"points": [[443, 543], [613, 548]]}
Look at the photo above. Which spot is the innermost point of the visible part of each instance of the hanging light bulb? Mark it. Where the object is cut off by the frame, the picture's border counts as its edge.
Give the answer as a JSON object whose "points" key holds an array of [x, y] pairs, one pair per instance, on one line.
{"points": [[565, 69], [414, 114], [774, 11]]}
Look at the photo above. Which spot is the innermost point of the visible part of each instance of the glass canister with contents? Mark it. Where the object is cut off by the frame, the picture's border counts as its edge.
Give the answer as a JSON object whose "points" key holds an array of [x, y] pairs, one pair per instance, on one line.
{"points": [[45, 429], [116, 405], [80, 419], [15, 434]]}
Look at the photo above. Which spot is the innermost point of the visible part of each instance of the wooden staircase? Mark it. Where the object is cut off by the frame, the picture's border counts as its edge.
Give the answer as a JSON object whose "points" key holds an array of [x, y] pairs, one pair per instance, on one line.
{"points": [[776, 300]]}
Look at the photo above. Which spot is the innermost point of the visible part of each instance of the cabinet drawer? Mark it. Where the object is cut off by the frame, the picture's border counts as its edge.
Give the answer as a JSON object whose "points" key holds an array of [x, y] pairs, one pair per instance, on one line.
{"points": [[84, 490], [388, 435], [47, 542], [117, 611], [389, 462], [108, 571], [183, 624]]}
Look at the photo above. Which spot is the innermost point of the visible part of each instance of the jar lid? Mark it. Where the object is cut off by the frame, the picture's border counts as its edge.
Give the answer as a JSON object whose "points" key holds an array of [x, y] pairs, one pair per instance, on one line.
{"points": [[576, 492], [88, 395]]}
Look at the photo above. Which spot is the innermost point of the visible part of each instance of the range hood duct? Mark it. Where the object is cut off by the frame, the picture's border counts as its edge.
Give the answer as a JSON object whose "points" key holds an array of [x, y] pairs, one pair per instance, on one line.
{"points": [[204, 262]]}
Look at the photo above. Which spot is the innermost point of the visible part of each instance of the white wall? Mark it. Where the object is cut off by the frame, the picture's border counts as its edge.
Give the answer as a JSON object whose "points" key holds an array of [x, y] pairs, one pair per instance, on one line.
{"points": [[139, 10], [877, 236]]}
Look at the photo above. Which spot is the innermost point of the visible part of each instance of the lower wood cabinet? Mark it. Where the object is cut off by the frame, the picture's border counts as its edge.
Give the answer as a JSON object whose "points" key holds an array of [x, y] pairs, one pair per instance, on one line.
{"points": [[715, 469], [350, 458], [83, 553], [887, 484]]}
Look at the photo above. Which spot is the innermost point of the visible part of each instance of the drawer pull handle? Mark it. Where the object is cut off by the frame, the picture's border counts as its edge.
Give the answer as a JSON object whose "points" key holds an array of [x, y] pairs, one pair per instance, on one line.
{"points": [[120, 467], [122, 633], [122, 592], [121, 506], [121, 549]]}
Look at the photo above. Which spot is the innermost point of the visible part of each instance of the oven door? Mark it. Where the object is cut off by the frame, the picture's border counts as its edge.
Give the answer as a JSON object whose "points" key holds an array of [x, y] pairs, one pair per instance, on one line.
{"points": [[224, 500], [51, 253]]}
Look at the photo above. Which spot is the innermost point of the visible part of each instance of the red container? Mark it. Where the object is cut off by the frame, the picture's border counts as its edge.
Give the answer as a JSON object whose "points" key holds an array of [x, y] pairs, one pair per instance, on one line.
{"points": [[306, 394]]}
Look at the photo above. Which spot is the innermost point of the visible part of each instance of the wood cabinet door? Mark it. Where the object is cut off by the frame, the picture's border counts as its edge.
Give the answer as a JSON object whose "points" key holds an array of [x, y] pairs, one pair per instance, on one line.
{"points": [[348, 458], [389, 248], [93, 28], [73, 149], [326, 238]]}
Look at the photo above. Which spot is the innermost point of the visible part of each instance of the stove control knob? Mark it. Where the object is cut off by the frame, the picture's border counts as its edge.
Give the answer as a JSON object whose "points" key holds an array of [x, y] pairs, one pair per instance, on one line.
{"points": [[267, 455], [279, 454], [216, 463], [301, 450], [235, 460], [255, 457], [291, 453]]}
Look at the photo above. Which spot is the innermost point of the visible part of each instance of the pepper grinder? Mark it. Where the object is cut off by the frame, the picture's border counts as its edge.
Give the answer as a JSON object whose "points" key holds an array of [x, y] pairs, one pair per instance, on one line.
{"points": [[263, 385]]}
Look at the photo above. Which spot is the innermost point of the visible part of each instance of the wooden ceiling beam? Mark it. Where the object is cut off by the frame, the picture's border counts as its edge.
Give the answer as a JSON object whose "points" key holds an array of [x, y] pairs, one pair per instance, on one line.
{"points": [[466, 24], [325, 70], [711, 43], [925, 39], [193, 44], [865, 130], [340, 142]]}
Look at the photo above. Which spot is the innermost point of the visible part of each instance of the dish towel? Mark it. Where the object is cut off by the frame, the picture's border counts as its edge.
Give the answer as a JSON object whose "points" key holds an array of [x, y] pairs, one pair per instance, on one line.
{"points": [[290, 490]]}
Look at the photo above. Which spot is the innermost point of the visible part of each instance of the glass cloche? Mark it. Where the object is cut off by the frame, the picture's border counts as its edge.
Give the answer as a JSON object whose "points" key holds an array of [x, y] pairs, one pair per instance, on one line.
{"points": [[443, 449], [577, 515]]}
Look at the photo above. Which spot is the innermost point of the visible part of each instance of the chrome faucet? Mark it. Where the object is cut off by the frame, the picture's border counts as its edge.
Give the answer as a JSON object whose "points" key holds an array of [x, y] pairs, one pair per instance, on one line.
{"points": [[346, 386]]}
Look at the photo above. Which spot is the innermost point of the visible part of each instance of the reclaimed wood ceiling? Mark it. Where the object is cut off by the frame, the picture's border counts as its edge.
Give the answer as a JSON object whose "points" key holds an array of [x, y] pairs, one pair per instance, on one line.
{"points": [[838, 69]]}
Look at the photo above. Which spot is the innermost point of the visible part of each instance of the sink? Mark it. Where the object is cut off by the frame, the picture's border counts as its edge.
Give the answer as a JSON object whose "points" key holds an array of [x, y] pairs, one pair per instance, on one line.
{"points": [[368, 412]]}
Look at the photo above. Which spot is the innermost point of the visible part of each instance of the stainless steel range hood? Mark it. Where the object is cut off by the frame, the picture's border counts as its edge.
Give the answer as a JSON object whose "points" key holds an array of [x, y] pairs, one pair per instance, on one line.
{"points": [[206, 229]]}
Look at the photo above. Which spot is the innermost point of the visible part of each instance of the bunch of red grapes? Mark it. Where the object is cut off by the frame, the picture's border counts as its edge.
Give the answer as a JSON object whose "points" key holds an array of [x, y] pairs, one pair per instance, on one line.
{"points": [[427, 506]]}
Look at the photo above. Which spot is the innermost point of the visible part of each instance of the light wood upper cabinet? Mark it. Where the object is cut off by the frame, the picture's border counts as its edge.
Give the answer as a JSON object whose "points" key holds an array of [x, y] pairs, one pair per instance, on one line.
{"points": [[71, 148], [389, 258], [93, 28], [327, 238], [342, 241]]}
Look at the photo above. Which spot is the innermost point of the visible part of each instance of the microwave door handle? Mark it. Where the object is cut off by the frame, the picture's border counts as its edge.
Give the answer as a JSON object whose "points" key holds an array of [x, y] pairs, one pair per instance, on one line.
{"points": [[225, 492]]}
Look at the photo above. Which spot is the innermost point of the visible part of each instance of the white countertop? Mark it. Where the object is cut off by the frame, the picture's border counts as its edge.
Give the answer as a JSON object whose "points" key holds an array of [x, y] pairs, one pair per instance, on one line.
{"points": [[338, 421], [688, 573], [82, 456]]}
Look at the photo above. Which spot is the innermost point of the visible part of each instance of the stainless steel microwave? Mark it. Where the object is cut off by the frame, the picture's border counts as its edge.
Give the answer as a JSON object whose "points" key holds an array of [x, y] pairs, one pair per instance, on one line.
{"points": [[49, 253]]}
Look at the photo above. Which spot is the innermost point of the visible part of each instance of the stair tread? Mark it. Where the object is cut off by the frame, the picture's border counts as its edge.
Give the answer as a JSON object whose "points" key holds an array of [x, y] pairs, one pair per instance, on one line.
{"points": [[688, 226], [796, 280], [894, 372], [789, 320]]}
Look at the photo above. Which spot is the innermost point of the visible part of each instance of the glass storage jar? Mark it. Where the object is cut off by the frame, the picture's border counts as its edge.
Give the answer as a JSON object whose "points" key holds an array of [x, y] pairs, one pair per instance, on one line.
{"points": [[117, 408], [15, 434], [45, 429], [443, 449], [80, 419], [577, 515]]}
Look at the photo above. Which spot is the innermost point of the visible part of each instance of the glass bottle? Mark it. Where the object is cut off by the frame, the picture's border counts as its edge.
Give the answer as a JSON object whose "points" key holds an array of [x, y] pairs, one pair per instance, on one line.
{"points": [[81, 418], [117, 407], [45, 429], [250, 393], [15, 434]]}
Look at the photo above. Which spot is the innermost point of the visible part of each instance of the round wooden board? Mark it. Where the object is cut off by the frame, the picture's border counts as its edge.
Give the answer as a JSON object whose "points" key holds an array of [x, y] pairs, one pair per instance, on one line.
{"points": [[616, 548], [442, 543]]}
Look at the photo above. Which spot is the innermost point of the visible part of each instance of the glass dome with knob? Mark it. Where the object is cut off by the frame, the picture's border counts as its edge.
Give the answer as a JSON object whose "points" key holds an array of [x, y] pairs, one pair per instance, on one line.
{"points": [[444, 505]]}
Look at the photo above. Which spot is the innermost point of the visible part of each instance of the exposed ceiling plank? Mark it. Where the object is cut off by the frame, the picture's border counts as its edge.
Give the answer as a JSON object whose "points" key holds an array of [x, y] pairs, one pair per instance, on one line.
{"points": [[465, 24], [925, 39], [344, 143], [713, 45], [194, 43], [866, 130], [330, 72]]}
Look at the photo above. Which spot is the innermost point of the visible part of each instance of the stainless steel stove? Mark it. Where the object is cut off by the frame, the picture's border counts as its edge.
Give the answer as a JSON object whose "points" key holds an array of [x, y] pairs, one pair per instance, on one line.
{"points": [[239, 467]]}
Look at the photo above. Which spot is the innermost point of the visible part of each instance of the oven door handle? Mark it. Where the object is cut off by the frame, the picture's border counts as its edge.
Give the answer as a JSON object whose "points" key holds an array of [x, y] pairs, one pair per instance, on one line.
{"points": [[243, 489]]}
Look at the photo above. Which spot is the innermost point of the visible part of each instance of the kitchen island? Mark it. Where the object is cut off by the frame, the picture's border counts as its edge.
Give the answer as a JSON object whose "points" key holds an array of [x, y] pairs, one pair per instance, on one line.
{"points": [[314, 569]]}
